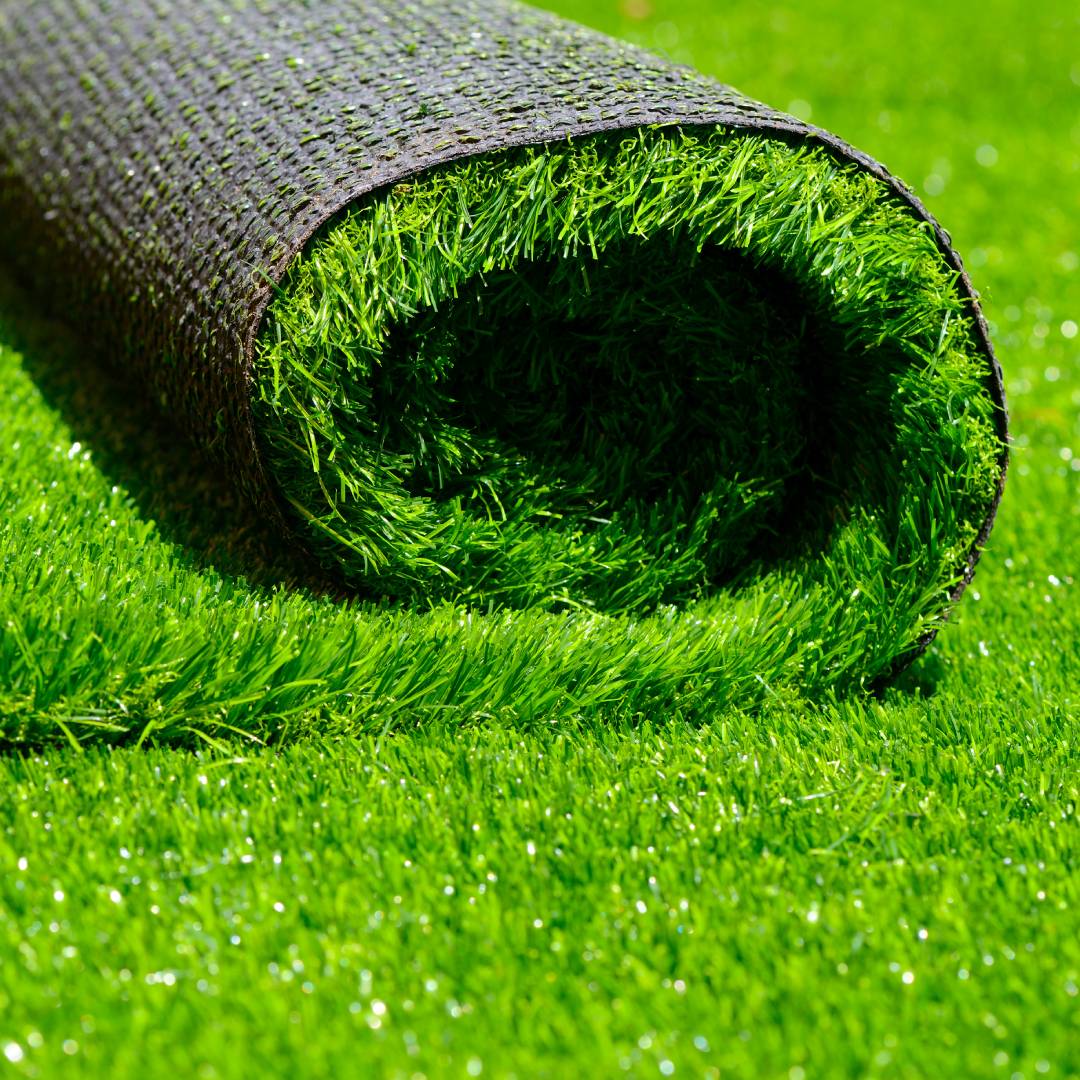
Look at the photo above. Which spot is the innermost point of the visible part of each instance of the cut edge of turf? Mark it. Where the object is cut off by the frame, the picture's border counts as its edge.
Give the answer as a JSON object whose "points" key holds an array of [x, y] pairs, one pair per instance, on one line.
{"points": [[402, 261]]}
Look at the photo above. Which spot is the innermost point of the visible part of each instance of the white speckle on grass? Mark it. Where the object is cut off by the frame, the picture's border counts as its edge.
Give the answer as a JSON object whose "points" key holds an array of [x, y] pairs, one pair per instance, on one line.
{"points": [[934, 184], [908, 978], [800, 108], [1069, 329], [13, 1052], [987, 156]]}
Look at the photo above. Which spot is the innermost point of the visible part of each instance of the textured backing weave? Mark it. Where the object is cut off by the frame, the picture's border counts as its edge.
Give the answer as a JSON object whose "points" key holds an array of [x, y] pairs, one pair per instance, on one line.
{"points": [[161, 161]]}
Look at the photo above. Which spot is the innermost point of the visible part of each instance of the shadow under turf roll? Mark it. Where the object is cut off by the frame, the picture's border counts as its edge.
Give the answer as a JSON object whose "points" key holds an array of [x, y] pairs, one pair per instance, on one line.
{"points": [[493, 315]]}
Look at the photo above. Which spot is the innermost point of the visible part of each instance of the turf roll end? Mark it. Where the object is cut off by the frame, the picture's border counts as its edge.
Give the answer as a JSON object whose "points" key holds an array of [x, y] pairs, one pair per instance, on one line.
{"points": [[689, 367]]}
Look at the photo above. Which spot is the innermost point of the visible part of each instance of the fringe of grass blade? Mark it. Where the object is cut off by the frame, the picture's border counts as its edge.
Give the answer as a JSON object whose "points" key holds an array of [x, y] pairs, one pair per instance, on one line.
{"points": [[628, 372]]}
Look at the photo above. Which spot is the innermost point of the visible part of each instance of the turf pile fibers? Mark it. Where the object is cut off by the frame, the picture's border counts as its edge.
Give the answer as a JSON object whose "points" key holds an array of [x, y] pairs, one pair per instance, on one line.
{"points": [[555, 357]]}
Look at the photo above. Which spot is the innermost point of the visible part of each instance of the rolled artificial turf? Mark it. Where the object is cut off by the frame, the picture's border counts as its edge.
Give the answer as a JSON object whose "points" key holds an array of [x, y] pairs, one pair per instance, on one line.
{"points": [[566, 361]]}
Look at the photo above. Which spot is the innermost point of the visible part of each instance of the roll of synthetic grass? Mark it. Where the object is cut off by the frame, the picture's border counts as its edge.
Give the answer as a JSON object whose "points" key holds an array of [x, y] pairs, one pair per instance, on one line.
{"points": [[496, 316]]}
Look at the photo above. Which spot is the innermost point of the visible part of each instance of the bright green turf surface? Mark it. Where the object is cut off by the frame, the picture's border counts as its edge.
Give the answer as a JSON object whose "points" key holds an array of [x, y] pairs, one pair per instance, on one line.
{"points": [[948, 807]]}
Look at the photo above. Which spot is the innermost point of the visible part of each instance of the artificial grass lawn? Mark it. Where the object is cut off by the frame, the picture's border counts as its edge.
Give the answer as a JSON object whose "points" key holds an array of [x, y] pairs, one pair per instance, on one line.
{"points": [[886, 895], [947, 807]]}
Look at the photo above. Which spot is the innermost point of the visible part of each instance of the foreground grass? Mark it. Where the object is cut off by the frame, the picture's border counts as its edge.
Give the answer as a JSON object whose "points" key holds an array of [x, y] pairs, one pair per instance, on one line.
{"points": [[890, 892], [949, 806]]}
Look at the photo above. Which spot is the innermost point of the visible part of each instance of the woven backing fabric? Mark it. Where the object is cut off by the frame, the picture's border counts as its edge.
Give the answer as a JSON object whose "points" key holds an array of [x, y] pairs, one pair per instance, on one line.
{"points": [[162, 161]]}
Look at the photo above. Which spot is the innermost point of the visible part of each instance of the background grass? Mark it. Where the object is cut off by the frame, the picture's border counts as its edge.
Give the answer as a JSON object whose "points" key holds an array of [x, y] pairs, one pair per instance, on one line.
{"points": [[827, 889]]}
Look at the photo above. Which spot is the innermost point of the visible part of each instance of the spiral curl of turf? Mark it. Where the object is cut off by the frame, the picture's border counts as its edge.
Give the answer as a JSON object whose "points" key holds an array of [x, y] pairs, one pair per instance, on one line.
{"points": [[500, 320]]}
